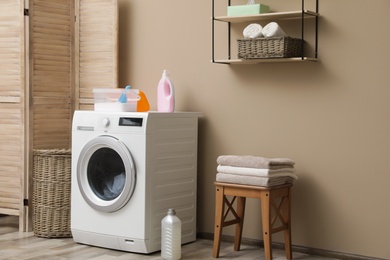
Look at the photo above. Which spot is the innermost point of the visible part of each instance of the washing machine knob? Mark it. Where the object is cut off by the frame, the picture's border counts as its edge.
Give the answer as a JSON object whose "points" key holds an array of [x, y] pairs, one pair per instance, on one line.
{"points": [[106, 122]]}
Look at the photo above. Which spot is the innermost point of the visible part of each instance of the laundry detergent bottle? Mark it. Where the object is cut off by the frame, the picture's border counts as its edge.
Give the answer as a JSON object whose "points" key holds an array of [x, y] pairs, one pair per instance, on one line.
{"points": [[165, 94], [171, 236]]}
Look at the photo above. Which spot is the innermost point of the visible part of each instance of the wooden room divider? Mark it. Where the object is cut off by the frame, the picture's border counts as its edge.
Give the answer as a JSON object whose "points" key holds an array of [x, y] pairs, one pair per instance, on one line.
{"points": [[52, 54]]}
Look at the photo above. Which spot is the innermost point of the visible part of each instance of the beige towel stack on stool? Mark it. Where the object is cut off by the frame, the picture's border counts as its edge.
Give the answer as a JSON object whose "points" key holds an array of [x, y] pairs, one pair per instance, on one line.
{"points": [[254, 170]]}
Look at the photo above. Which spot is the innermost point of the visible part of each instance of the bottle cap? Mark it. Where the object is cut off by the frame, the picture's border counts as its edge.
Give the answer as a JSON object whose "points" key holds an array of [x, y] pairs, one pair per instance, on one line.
{"points": [[171, 212]]}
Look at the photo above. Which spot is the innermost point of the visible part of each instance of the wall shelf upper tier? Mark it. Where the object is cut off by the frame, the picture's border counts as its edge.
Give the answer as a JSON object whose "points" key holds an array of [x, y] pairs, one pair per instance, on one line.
{"points": [[266, 16]]}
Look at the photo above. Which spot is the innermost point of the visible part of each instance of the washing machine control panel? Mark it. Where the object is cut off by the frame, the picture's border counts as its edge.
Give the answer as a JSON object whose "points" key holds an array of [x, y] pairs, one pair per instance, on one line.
{"points": [[121, 122]]}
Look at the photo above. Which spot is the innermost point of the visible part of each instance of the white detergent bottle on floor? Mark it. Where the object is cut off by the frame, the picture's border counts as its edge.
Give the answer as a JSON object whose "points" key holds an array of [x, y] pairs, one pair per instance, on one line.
{"points": [[165, 94], [171, 236]]}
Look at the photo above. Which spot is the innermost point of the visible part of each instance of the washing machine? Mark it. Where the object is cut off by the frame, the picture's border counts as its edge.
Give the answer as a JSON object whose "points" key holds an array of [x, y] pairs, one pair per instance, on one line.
{"points": [[128, 169]]}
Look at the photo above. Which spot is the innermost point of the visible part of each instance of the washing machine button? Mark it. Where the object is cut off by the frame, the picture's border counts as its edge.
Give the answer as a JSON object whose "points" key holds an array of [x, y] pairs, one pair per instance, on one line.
{"points": [[106, 122]]}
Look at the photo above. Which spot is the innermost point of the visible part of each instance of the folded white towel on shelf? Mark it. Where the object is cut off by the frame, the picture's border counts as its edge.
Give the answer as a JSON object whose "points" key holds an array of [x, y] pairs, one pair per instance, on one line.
{"points": [[253, 31], [273, 30], [250, 161], [251, 180], [283, 172]]}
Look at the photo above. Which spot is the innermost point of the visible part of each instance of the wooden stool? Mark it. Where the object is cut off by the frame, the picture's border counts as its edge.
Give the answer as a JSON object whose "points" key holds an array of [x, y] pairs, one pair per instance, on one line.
{"points": [[275, 200]]}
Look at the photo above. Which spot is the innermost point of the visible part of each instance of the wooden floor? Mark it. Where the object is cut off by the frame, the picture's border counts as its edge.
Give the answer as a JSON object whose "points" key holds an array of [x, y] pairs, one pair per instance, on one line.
{"points": [[26, 246]]}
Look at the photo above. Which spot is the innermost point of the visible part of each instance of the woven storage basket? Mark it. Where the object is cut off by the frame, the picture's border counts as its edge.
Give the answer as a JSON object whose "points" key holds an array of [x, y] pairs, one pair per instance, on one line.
{"points": [[51, 193], [273, 47]]}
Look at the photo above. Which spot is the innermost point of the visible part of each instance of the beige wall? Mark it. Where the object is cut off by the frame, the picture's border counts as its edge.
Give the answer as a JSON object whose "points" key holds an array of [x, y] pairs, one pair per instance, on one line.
{"points": [[331, 117]]}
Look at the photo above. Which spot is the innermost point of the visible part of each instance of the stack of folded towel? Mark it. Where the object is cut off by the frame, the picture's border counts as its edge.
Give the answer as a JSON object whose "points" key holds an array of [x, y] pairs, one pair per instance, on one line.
{"points": [[253, 170]]}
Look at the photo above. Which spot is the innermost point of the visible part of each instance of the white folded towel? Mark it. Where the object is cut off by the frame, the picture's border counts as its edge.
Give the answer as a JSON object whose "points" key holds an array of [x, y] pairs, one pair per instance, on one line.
{"points": [[272, 30], [253, 31], [283, 172], [251, 180], [250, 161]]}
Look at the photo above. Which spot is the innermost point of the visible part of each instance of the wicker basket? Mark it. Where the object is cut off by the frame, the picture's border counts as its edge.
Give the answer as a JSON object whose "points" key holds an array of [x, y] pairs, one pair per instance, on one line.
{"points": [[273, 47], [51, 193]]}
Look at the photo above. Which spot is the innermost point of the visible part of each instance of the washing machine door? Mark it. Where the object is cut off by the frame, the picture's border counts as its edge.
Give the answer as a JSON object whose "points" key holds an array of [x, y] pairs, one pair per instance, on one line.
{"points": [[106, 173]]}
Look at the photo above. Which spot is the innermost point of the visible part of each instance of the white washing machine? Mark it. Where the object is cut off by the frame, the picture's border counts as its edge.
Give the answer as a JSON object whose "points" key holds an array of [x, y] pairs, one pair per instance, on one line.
{"points": [[128, 168]]}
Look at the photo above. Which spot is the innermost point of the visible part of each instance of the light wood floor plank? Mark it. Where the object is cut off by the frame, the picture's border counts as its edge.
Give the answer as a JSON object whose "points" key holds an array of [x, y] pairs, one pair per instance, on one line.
{"points": [[25, 246]]}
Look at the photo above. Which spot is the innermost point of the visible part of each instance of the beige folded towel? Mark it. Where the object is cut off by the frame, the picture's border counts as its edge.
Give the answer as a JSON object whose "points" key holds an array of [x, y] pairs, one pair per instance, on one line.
{"points": [[252, 180], [255, 162], [270, 173]]}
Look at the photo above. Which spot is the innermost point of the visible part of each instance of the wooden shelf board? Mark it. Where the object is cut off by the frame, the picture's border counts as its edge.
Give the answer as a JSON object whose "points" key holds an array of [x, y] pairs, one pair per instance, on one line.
{"points": [[254, 61], [266, 16]]}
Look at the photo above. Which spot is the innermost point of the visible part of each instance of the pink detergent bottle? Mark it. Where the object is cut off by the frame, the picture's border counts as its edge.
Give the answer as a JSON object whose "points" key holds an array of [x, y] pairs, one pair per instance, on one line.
{"points": [[165, 94]]}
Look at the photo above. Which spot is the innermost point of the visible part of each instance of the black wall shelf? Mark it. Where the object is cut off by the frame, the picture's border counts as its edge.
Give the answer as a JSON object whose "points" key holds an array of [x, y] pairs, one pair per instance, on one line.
{"points": [[229, 20]]}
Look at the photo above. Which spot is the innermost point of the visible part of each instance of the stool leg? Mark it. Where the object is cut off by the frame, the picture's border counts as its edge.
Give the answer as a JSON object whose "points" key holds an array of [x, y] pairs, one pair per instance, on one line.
{"points": [[266, 223], [239, 226], [287, 232], [219, 209]]}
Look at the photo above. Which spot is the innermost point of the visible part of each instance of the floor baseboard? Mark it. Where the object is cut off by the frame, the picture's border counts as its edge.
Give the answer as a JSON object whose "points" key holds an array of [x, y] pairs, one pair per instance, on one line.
{"points": [[300, 249]]}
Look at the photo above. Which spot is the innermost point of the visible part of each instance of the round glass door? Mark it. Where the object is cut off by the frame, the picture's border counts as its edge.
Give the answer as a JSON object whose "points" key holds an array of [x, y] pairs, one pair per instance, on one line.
{"points": [[106, 174]]}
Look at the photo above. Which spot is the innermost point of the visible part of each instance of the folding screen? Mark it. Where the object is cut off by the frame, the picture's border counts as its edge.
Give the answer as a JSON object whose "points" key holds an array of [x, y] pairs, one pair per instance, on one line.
{"points": [[71, 48]]}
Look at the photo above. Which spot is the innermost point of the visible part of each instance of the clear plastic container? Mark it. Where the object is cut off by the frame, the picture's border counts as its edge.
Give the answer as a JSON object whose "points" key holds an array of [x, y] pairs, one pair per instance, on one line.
{"points": [[107, 100], [171, 236]]}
